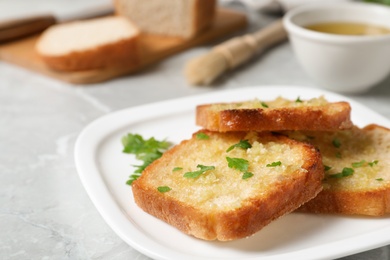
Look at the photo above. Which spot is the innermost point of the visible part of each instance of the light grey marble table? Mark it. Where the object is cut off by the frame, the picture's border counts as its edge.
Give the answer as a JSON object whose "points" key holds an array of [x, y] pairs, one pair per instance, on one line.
{"points": [[45, 213]]}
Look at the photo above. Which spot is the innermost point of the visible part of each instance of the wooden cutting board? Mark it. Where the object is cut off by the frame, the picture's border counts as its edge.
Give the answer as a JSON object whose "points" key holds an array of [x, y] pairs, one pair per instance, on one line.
{"points": [[154, 48]]}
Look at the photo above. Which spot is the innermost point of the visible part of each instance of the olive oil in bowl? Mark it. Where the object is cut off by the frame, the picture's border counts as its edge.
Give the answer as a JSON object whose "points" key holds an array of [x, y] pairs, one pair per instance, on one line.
{"points": [[350, 52], [348, 28]]}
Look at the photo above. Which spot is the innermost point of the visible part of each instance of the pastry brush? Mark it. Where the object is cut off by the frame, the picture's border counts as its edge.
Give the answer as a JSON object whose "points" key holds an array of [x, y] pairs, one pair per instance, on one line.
{"points": [[205, 69]]}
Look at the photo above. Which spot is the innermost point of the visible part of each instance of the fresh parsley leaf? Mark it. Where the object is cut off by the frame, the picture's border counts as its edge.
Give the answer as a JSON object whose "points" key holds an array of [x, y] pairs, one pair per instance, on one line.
{"points": [[246, 175], [263, 104], [344, 173], [135, 144], [379, 179], [244, 144], [336, 143], [202, 169], [177, 169], [373, 163], [163, 189], [148, 159], [145, 150], [347, 171], [298, 100], [132, 178], [202, 136], [274, 164], [358, 164], [238, 164], [337, 175], [385, 2], [327, 168]]}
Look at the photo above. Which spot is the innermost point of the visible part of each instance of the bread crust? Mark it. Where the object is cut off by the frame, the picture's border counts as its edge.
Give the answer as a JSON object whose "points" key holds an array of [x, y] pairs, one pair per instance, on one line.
{"points": [[253, 214], [123, 53], [203, 16], [316, 118], [370, 202], [362, 200]]}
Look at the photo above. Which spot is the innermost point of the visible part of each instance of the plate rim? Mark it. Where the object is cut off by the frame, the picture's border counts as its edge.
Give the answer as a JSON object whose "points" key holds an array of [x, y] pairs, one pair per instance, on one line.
{"points": [[90, 137]]}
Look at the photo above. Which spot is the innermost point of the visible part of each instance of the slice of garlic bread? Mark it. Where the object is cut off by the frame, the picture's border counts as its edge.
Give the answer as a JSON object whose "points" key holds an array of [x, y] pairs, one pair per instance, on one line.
{"points": [[357, 171], [225, 186], [316, 114]]}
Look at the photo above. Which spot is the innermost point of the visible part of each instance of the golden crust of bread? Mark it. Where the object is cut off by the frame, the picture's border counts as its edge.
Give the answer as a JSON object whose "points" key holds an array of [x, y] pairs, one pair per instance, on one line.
{"points": [[123, 53], [327, 117], [220, 205], [370, 203], [204, 16], [367, 190]]}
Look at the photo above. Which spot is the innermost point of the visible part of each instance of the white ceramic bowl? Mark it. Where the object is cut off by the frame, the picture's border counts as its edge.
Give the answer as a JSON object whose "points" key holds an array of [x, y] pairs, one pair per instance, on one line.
{"points": [[341, 63]]}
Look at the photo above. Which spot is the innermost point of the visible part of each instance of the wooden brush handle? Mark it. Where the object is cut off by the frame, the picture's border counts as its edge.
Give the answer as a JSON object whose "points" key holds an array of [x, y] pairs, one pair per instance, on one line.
{"points": [[240, 49], [13, 29], [269, 35]]}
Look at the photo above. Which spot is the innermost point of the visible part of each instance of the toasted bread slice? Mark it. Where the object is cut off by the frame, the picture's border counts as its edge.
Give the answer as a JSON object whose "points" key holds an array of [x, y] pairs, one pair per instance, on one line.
{"points": [[280, 114], [358, 181], [225, 203]]}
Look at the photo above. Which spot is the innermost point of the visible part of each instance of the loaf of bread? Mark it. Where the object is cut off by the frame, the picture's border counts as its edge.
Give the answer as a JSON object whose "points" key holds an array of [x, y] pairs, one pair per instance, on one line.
{"points": [[181, 18], [89, 44], [357, 171], [316, 114], [225, 186]]}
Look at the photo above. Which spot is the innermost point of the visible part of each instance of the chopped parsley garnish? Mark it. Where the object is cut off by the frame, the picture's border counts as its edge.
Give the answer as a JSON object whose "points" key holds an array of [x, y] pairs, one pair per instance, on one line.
{"points": [[246, 175], [135, 144], [274, 164], [163, 189], [177, 169], [298, 100], [373, 163], [202, 136], [358, 164], [195, 174], [327, 168], [132, 178], [379, 179], [263, 104], [238, 163], [144, 150], [338, 155], [244, 144], [336, 143], [344, 173]]}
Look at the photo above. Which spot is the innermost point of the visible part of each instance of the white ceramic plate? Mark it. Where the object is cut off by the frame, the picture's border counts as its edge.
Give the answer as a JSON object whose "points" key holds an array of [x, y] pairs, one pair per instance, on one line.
{"points": [[104, 169]]}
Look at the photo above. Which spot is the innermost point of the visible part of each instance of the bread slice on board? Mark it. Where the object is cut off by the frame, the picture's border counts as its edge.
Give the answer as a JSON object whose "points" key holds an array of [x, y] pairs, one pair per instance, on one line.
{"points": [[316, 114], [89, 44], [197, 189], [357, 176], [179, 18]]}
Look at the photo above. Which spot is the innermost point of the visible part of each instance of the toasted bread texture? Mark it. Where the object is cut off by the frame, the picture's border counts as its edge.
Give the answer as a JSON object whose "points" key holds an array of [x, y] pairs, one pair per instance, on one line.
{"points": [[211, 197], [316, 114], [178, 18], [90, 44], [357, 176]]}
